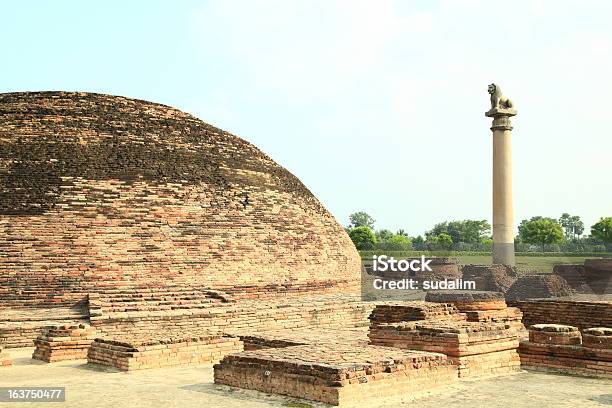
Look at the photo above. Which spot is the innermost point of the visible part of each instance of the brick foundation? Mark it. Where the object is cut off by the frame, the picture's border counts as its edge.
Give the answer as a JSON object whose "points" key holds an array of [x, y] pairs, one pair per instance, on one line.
{"points": [[557, 349], [478, 348], [488, 364], [335, 374], [156, 353], [20, 326], [64, 343], [237, 318]]}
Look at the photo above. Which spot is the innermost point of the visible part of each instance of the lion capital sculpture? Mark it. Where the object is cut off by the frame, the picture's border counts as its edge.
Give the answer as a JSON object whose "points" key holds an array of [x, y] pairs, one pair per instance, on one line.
{"points": [[498, 100]]}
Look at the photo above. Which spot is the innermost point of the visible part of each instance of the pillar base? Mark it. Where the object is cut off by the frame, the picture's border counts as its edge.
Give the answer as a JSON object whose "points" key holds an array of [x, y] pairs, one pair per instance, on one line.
{"points": [[503, 254]]}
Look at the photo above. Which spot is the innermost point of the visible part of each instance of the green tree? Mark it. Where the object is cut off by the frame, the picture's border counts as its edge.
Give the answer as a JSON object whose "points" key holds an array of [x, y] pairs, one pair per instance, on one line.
{"points": [[602, 230], [362, 237], [383, 235], [540, 230], [468, 231], [399, 242], [401, 232], [573, 225], [487, 242], [445, 241], [418, 242], [361, 219]]}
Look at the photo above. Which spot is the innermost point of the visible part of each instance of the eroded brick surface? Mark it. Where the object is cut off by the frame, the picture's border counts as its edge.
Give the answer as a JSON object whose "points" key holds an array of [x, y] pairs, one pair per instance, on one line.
{"points": [[357, 336], [99, 192], [146, 219], [334, 373]]}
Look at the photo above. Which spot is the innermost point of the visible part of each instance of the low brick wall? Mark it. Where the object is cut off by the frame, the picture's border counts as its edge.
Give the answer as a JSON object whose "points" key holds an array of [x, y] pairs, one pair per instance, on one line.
{"points": [[395, 312], [580, 314], [488, 364], [335, 374], [134, 314], [19, 327], [477, 348], [558, 348], [237, 318], [64, 343], [157, 353]]}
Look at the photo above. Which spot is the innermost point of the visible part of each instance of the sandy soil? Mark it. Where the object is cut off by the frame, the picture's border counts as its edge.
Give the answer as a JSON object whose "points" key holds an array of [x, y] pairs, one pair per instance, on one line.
{"points": [[193, 387]]}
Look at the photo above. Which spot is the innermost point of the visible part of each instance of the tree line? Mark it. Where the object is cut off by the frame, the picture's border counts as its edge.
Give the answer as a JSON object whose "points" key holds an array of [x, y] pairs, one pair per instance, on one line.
{"points": [[565, 234]]}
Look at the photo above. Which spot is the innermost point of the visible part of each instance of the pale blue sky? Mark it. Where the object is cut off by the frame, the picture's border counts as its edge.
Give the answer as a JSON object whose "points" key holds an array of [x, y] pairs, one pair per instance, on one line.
{"points": [[374, 105]]}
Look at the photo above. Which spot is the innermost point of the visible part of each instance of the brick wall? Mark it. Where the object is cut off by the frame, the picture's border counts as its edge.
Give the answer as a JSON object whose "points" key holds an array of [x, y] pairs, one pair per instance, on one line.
{"points": [[581, 314], [101, 192]]}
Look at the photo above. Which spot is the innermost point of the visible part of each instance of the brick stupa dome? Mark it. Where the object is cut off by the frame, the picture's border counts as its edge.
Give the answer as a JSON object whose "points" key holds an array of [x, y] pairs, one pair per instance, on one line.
{"points": [[100, 190]]}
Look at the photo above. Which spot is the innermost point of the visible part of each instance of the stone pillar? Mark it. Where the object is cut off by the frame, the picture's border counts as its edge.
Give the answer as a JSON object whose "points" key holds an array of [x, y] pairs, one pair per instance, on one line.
{"points": [[503, 216]]}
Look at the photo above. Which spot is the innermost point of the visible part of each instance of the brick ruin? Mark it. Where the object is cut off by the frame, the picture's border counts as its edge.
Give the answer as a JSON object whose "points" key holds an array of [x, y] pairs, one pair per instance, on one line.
{"points": [[592, 277], [579, 313], [63, 343], [131, 215], [336, 374], [477, 348], [139, 354], [482, 306], [538, 286], [491, 278], [138, 237], [562, 348]]}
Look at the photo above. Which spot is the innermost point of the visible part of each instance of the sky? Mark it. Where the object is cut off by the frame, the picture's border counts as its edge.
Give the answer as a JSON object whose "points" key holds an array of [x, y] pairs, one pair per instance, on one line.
{"points": [[376, 106]]}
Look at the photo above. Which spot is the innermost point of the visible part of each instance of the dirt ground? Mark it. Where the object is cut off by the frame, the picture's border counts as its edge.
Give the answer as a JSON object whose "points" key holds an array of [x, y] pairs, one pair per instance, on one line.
{"points": [[193, 387]]}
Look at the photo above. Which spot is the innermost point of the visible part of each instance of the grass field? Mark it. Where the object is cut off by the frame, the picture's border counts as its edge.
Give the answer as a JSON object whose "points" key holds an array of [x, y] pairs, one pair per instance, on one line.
{"points": [[534, 263], [542, 264]]}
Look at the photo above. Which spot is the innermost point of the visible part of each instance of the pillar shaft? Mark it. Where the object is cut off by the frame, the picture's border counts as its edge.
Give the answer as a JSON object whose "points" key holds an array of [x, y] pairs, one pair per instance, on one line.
{"points": [[503, 214]]}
